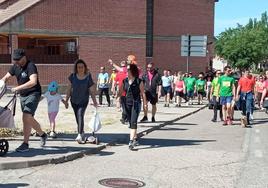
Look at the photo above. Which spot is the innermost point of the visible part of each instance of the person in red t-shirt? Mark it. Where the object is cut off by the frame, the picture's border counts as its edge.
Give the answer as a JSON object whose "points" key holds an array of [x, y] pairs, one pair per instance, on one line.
{"points": [[245, 92], [118, 81]]}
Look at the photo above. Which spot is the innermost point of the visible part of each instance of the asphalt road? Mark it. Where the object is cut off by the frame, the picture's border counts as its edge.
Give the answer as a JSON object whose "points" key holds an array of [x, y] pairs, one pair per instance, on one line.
{"points": [[192, 152]]}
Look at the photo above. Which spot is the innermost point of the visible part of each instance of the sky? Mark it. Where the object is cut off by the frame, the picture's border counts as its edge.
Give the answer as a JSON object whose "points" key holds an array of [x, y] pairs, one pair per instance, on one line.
{"points": [[230, 12]]}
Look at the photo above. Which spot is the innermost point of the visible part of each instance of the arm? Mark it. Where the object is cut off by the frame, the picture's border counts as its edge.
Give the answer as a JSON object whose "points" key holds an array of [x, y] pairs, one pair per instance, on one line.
{"points": [[31, 83], [68, 94], [142, 93], [184, 88], [263, 95], [107, 80], [6, 77], [211, 91], [115, 66]]}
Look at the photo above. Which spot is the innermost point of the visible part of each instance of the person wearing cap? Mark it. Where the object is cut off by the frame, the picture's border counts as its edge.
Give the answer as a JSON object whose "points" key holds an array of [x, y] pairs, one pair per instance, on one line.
{"points": [[53, 103], [103, 85], [29, 89]]}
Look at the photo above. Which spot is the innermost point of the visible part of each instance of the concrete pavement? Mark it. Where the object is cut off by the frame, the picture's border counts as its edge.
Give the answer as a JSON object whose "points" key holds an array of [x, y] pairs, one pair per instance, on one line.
{"points": [[64, 148], [189, 153]]}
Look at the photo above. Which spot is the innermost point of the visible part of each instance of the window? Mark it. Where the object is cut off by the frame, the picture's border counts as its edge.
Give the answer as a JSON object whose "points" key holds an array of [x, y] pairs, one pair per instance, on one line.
{"points": [[53, 50]]}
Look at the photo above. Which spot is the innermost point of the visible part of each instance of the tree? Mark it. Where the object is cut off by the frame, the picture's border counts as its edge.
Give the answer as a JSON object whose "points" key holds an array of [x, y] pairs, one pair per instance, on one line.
{"points": [[245, 46]]}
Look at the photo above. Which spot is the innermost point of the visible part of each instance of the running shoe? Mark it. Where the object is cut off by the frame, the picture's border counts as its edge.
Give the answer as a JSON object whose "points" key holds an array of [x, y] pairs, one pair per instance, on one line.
{"points": [[136, 142], [79, 139], [224, 123], [229, 121], [144, 119], [43, 139], [131, 145], [53, 134], [23, 147]]}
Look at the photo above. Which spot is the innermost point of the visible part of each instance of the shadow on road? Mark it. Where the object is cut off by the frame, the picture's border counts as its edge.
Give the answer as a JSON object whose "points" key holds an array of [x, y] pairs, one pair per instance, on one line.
{"points": [[14, 185], [150, 143]]}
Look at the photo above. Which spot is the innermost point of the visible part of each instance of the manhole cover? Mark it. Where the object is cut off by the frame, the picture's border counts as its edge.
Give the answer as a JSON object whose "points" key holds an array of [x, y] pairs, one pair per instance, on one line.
{"points": [[121, 183]]}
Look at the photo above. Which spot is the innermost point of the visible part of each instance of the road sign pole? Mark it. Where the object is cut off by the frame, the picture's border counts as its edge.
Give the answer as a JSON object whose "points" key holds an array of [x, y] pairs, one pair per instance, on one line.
{"points": [[189, 52], [187, 63]]}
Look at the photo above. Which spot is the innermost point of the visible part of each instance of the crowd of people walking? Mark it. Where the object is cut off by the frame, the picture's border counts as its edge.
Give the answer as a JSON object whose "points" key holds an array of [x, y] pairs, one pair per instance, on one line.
{"points": [[132, 88]]}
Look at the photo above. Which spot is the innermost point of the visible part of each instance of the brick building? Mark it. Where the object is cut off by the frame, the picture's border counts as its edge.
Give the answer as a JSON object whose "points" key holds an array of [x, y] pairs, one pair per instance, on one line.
{"points": [[56, 32]]}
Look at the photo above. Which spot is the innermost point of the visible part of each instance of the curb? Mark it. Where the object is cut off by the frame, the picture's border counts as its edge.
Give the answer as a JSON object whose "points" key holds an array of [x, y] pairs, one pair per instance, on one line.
{"points": [[75, 155]]}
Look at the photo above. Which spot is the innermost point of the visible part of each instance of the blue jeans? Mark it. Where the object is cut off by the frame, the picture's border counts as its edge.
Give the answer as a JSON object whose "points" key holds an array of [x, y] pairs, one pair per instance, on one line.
{"points": [[247, 103]]}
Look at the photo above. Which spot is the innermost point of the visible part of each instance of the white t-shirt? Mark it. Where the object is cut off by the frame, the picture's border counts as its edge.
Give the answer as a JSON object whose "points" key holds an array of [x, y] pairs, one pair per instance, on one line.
{"points": [[53, 101]]}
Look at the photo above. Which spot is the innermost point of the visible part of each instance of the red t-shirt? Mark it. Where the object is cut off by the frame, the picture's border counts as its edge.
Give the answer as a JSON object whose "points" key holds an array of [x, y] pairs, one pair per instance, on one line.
{"points": [[246, 84], [120, 76]]}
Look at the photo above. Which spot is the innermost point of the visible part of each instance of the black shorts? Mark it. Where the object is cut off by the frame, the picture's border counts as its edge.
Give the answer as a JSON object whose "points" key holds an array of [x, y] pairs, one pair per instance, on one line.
{"points": [[153, 99], [202, 93], [179, 94], [29, 103]]}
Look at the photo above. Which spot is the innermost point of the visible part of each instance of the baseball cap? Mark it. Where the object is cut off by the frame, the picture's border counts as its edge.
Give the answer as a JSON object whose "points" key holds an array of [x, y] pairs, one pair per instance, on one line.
{"points": [[18, 54]]}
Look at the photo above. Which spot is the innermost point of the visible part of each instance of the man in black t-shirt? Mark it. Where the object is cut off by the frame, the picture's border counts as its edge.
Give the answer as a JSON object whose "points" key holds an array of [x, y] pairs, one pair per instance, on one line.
{"points": [[152, 87], [30, 92]]}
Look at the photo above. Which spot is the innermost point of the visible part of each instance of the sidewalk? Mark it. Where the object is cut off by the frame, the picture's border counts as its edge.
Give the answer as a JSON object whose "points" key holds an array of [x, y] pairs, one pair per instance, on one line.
{"points": [[64, 148]]}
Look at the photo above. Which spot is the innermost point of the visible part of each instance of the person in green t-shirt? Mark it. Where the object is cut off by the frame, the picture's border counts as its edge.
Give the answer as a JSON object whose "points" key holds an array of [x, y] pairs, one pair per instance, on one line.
{"points": [[200, 86], [227, 94], [216, 97], [190, 86]]}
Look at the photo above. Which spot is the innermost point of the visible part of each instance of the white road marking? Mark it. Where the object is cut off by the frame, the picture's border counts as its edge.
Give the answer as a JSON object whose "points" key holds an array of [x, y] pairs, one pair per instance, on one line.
{"points": [[258, 153]]}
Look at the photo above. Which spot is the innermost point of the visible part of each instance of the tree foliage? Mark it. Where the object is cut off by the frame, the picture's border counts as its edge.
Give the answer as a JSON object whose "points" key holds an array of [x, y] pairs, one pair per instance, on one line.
{"points": [[245, 46]]}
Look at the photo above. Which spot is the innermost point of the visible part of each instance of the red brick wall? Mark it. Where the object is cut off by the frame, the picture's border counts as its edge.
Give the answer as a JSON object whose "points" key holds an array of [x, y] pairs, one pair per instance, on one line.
{"points": [[122, 16], [97, 51], [89, 15], [176, 18]]}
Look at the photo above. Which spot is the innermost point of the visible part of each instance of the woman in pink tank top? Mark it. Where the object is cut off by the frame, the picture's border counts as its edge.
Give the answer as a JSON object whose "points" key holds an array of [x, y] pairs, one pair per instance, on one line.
{"points": [[179, 88]]}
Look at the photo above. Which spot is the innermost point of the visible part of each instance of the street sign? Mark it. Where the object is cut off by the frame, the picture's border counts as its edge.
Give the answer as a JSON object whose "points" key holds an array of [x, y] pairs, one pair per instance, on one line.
{"points": [[193, 46]]}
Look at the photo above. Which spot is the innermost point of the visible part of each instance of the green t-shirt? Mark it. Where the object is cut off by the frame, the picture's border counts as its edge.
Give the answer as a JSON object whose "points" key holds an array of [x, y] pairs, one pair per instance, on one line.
{"points": [[226, 85], [190, 83], [200, 85], [215, 85]]}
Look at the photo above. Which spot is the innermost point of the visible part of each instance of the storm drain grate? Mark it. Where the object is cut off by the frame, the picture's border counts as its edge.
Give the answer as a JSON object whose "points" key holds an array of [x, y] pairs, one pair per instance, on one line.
{"points": [[121, 183]]}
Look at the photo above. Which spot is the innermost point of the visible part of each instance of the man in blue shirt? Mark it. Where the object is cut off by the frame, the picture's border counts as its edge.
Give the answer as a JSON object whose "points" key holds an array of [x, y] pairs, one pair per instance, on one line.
{"points": [[103, 85]]}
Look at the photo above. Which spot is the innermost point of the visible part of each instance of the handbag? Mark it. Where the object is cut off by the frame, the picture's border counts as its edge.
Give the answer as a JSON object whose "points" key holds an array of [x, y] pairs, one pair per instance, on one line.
{"points": [[95, 122]]}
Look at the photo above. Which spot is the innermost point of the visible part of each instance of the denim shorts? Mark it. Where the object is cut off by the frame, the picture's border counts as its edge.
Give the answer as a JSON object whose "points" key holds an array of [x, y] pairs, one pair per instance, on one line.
{"points": [[226, 100], [190, 94], [29, 103], [167, 90]]}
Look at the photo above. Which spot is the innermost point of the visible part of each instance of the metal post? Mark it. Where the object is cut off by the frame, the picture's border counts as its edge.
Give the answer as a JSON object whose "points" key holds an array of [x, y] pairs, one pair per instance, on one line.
{"points": [[189, 52]]}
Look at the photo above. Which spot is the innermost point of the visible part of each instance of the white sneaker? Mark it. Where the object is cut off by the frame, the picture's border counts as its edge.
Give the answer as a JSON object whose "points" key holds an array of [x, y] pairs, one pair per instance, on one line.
{"points": [[52, 134], [251, 117], [187, 104], [79, 138]]}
